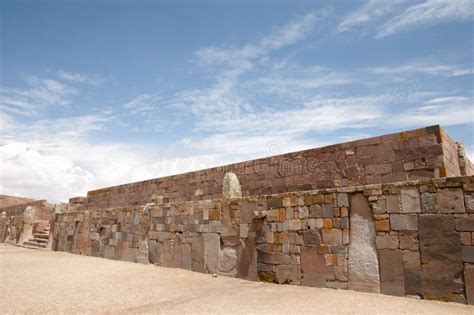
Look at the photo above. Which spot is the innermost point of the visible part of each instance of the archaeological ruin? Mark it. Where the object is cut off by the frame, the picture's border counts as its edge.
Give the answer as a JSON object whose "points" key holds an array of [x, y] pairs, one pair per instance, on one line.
{"points": [[392, 214]]}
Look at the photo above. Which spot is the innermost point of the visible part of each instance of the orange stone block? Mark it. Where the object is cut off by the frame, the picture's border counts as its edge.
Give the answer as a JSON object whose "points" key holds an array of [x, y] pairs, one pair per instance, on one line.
{"points": [[327, 223]]}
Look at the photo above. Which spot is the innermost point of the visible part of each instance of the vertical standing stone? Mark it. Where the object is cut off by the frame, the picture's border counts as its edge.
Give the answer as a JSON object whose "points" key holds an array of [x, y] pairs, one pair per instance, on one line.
{"points": [[469, 282], [197, 253], [213, 245], [312, 267], [392, 280], [247, 265], [231, 186], [363, 262], [441, 262]]}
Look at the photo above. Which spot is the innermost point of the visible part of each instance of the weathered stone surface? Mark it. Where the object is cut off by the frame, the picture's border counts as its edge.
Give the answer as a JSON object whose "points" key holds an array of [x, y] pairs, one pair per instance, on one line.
{"points": [[228, 261], [332, 236], [386, 241], [450, 200], [465, 224], [410, 200], [342, 200], [231, 186], [288, 274], [213, 245], [327, 211], [273, 258], [440, 248], [312, 267], [408, 240], [311, 238], [247, 264], [469, 281], [468, 254], [363, 263], [393, 203], [392, 279], [315, 211], [469, 201], [197, 253], [407, 222], [428, 203], [186, 256]]}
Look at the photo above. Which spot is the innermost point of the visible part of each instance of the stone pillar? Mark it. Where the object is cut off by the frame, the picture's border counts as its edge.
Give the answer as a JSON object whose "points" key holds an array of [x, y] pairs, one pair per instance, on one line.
{"points": [[231, 186], [363, 262]]}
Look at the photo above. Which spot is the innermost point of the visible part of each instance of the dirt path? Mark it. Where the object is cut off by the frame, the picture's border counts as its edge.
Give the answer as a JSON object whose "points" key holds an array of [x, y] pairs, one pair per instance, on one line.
{"points": [[50, 282]]}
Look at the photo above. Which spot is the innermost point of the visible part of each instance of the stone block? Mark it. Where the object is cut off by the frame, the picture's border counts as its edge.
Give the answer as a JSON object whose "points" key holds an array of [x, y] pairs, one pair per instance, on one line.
{"points": [[244, 230], [469, 281], [332, 236], [342, 200], [386, 241], [186, 261], [407, 222], [450, 200], [393, 203], [382, 225], [392, 278], [295, 225], [228, 261], [247, 264], [468, 254], [411, 260], [428, 203], [465, 224], [315, 211], [466, 238], [408, 240], [469, 201], [273, 258], [311, 238], [288, 274], [440, 248], [410, 198], [363, 264], [197, 253], [327, 211], [212, 248]]}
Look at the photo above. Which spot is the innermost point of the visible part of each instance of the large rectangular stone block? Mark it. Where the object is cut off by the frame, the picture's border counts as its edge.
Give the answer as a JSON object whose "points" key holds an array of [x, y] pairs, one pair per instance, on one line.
{"points": [[313, 267], [450, 200], [469, 282], [405, 222], [441, 260], [392, 278]]}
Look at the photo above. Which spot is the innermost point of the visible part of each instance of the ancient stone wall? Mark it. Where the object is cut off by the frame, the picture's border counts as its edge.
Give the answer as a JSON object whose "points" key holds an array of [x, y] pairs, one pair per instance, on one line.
{"points": [[407, 238], [415, 154], [19, 223]]}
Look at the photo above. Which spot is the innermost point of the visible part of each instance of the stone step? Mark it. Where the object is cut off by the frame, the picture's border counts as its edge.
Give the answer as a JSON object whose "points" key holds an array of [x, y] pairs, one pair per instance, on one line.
{"points": [[41, 235], [34, 244], [38, 240]]}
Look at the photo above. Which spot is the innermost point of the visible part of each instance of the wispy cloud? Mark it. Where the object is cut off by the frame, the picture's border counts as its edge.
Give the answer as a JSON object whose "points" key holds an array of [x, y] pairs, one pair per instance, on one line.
{"points": [[372, 10], [141, 104], [39, 93], [424, 67], [281, 36], [428, 13]]}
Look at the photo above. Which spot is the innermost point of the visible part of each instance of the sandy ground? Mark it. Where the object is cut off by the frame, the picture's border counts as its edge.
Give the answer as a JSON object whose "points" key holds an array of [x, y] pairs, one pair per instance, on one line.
{"points": [[36, 281]]}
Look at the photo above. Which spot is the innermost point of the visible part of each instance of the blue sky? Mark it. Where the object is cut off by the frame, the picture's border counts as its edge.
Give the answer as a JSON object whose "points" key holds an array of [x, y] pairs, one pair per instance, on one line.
{"points": [[98, 93]]}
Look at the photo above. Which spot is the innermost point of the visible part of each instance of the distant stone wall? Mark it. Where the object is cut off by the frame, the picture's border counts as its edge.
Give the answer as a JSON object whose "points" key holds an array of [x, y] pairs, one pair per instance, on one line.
{"points": [[409, 155], [18, 223], [408, 238]]}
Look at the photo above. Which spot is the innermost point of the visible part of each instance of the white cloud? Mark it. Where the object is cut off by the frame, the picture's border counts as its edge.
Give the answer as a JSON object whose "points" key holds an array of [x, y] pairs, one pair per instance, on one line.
{"points": [[25, 171], [370, 11], [447, 111], [428, 13], [39, 94], [424, 67], [280, 37], [142, 104]]}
